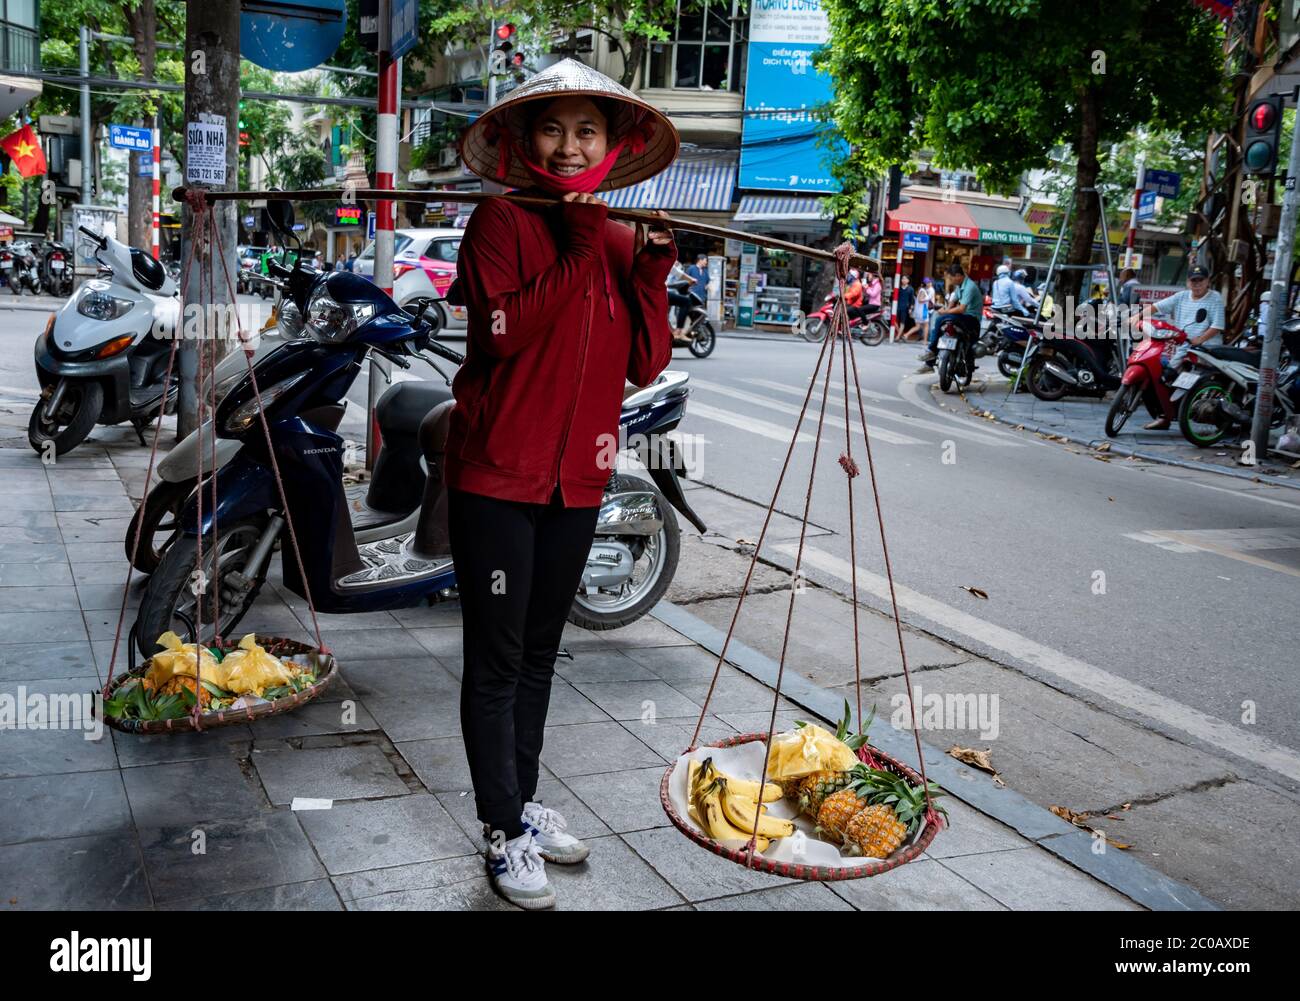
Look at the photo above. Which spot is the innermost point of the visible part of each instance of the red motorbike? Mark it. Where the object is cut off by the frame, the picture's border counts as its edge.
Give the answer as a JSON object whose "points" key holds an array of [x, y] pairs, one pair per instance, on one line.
{"points": [[1143, 380], [870, 330]]}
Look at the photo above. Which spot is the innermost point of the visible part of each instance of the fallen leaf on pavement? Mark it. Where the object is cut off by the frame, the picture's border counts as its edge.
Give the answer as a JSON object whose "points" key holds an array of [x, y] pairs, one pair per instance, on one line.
{"points": [[1021, 427], [977, 759], [975, 591], [1104, 447], [1111, 499], [1070, 816]]}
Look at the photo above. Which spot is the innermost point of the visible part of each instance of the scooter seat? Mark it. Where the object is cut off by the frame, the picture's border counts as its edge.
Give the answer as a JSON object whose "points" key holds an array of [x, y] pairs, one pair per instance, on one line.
{"points": [[404, 405], [1231, 354]]}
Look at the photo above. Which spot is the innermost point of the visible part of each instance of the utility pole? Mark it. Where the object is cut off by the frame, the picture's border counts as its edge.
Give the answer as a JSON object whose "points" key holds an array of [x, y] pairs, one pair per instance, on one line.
{"points": [[1278, 306], [84, 48], [211, 161], [385, 209], [1133, 212]]}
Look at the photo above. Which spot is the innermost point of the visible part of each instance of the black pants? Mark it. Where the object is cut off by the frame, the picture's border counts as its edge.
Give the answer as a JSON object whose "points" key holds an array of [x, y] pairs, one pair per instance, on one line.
{"points": [[517, 570], [863, 311], [683, 303]]}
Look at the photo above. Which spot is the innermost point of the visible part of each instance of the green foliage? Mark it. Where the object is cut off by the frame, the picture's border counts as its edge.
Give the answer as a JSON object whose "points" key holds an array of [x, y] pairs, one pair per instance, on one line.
{"points": [[995, 85]]}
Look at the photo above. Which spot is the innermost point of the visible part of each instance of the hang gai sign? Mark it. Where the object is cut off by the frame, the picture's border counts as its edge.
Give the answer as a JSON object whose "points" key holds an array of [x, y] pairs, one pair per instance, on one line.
{"points": [[780, 152]]}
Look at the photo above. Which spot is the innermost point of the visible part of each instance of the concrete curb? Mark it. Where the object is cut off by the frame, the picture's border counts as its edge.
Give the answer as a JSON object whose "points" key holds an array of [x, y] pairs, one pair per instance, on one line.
{"points": [[1137, 453], [31, 307], [1124, 874]]}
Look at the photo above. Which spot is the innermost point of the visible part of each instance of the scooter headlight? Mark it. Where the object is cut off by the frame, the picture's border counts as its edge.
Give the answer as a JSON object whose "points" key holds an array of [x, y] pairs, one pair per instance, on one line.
{"points": [[246, 413], [332, 321], [99, 305]]}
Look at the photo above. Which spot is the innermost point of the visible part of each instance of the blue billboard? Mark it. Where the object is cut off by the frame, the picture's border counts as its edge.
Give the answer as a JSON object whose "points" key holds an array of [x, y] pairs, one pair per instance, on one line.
{"points": [[781, 152]]}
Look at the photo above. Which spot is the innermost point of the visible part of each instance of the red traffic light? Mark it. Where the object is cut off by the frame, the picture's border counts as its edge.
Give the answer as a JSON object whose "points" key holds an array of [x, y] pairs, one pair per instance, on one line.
{"points": [[504, 31], [1262, 116]]}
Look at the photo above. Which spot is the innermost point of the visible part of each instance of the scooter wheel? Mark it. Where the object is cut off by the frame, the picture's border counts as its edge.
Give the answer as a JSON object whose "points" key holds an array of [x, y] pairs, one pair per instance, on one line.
{"points": [[945, 370], [1201, 433], [874, 333], [703, 340], [84, 401], [1043, 384], [1121, 408], [1005, 365], [814, 330]]}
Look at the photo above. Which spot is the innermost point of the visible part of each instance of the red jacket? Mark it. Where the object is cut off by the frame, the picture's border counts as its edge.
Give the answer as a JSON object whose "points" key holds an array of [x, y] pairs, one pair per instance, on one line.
{"points": [[560, 314]]}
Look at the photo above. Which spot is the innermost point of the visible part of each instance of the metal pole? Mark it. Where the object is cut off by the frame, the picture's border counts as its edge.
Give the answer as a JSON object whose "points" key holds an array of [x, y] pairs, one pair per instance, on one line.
{"points": [[385, 210], [85, 114], [1278, 311], [1133, 213], [157, 178]]}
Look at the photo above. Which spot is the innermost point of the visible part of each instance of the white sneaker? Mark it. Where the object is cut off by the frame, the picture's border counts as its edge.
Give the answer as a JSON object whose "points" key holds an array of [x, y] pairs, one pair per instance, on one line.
{"points": [[519, 874], [547, 828]]}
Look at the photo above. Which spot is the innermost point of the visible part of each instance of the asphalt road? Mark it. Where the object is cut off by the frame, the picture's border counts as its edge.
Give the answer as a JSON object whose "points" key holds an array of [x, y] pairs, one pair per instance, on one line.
{"points": [[1180, 632]]}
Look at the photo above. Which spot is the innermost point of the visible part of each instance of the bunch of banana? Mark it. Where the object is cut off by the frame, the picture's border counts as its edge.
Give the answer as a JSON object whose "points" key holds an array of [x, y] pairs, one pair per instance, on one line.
{"points": [[706, 771], [722, 807]]}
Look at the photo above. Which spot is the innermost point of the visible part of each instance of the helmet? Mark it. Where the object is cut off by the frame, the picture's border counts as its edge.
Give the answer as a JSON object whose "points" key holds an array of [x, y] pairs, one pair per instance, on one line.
{"points": [[1020, 275], [853, 272], [1003, 269]]}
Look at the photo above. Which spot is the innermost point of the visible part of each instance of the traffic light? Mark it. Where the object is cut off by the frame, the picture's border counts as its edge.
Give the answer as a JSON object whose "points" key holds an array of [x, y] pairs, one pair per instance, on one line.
{"points": [[506, 47], [895, 188], [1263, 131]]}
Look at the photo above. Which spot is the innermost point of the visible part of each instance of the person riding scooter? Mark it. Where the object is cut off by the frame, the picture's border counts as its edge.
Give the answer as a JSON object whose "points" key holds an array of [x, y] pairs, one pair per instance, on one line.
{"points": [[965, 312]]}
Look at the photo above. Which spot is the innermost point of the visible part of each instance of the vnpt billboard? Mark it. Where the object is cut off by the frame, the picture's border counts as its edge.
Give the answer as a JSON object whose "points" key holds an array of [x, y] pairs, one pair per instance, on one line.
{"points": [[780, 152]]}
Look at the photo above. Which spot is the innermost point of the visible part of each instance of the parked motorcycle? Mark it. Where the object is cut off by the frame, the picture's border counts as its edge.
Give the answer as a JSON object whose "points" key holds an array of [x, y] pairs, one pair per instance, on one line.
{"points": [[1144, 376], [24, 272], [56, 270], [1072, 366], [96, 361], [403, 562], [1222, 385], [699, 328], [871, 330]]}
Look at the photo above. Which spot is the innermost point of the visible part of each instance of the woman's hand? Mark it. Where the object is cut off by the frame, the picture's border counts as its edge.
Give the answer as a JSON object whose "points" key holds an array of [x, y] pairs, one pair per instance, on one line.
{"points": [[582, 197], [659, 236]]}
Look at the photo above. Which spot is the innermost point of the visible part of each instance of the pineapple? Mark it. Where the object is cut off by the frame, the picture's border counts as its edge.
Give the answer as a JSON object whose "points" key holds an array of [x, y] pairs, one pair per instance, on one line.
{"points": [[836, 811], [810, 791], [885, 791], [874, 832]]}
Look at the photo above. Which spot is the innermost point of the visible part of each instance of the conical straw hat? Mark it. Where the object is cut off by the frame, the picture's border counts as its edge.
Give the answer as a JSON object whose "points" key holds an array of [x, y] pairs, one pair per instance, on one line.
{"points": [[479, 143]]}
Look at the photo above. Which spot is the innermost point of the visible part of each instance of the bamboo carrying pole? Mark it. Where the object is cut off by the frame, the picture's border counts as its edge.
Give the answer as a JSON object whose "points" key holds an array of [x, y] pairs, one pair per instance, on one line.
{"points": [[628, 215]]}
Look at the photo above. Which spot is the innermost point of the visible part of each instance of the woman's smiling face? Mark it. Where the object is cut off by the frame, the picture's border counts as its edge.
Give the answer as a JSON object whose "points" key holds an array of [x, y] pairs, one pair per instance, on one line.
{"points": [[569, 136]]}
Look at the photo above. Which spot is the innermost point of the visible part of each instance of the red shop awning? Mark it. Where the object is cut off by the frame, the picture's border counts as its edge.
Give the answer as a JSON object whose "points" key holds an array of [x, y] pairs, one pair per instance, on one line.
{"points": [[934, 218]]}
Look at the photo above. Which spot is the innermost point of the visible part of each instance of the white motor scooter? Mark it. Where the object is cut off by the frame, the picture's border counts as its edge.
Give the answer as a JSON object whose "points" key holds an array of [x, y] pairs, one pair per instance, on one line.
{"points": [[96, 360]]}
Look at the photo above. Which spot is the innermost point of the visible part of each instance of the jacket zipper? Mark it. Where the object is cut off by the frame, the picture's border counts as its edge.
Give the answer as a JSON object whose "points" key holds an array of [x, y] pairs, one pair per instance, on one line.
{"points": [[577, 383]]}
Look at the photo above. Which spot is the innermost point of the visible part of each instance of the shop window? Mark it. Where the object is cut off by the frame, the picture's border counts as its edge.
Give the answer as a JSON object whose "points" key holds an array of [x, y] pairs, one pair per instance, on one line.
{"points": [[706, 52]]}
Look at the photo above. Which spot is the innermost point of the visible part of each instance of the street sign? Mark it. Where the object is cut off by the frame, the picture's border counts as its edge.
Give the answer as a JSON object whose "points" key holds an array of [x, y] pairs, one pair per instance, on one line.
{"points": [[129, 137], [1165, 183], [370, 225], [1147, 206], [144, 164], [917, 242], [249, 221], [291, 35], [402, 33]]}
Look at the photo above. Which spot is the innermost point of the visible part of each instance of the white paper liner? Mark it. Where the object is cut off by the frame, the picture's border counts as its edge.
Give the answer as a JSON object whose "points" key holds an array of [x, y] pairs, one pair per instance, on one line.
{"points": [[745, 761]]}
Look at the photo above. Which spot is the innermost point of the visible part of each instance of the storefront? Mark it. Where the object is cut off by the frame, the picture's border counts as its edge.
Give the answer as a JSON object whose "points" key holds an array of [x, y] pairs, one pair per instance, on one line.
{"points": [[785, 282], [935, 229]]}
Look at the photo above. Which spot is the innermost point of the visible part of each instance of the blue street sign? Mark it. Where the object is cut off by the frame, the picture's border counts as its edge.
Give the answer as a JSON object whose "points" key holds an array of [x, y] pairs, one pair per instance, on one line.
{"points": [[144, 164], [918, 242], [402, 27], [370, 225], [1165, 183], [130, 137], [1147, 206], [291, 36]]}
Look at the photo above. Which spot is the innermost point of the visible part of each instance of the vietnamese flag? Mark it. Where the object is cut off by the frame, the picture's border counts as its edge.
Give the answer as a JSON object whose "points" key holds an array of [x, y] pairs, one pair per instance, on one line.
{"points": [[25, 150]]}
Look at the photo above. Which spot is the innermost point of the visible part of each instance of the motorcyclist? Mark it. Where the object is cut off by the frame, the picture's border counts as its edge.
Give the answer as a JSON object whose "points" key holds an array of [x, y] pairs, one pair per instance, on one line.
{"points": [[965, 311], [678, 281], [1023, 301], [1003, 289]]}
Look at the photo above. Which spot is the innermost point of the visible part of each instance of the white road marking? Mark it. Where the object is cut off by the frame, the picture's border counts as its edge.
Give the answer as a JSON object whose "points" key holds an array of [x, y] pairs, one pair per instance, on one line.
{"points": [[1159, 540], [744, 422], [877, 434], [1239, 492], [837, 388], [986, 438], [1259, 750]]}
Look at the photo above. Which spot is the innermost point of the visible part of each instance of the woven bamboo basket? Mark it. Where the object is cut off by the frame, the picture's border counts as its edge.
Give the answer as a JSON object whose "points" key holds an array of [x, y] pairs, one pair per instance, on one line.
{"points": [[323, 664], [870, 867]]}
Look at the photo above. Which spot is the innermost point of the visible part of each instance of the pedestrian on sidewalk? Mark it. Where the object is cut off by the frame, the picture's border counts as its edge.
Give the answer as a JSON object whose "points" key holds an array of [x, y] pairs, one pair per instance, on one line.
{"points": [[564, 305], [906, 298], [921, 311]]}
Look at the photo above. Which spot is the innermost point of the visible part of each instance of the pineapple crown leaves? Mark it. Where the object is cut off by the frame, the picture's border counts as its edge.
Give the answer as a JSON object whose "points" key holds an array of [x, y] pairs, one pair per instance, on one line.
{"points": [[876, 786]]}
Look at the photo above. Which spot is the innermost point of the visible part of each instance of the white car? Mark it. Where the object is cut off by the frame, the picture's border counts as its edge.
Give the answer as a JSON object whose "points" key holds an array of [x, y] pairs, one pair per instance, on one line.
{"points": [[424, 264]]}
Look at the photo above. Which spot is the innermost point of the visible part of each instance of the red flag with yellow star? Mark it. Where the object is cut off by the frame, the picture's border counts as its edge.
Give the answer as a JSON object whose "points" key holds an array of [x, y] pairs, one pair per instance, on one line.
{"points": [[25, 150]]}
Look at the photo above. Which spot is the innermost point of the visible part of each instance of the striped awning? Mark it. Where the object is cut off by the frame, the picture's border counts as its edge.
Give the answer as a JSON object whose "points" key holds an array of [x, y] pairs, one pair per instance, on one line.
{"points": [[704, 186], [780, 208]]}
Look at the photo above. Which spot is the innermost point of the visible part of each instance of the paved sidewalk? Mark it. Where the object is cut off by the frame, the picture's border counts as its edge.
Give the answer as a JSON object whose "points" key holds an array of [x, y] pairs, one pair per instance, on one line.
{"points": [[114, 823], [1083, 422]]}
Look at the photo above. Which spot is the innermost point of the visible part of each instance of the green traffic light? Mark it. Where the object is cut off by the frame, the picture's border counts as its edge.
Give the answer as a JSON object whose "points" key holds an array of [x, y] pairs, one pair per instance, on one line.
{"points": [[1259, 155]]}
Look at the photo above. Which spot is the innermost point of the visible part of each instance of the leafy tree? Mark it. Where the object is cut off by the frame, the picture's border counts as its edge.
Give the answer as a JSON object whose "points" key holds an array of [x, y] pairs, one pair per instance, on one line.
{"points": [[995, 85]]}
